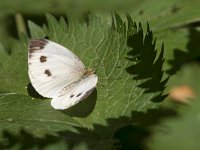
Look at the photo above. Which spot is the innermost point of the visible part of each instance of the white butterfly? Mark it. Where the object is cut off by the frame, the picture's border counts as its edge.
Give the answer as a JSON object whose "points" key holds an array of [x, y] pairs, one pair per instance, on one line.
{"points": [[55, 72]]}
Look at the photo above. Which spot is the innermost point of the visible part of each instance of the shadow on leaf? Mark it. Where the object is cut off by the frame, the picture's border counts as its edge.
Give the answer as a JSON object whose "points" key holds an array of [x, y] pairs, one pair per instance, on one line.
{"points": [[133, 133], [193, 54], [32, 92], [83, 108], [146, 64]]}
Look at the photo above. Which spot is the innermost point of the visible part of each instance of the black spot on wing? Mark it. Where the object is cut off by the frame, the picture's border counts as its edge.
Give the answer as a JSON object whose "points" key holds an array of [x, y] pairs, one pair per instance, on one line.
{"points": [[43, 59], [47, 72], [37, 44], [78, 95], [71, 96]]}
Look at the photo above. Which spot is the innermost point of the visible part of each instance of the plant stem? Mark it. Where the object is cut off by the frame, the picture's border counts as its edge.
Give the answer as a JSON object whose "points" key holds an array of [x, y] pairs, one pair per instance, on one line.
{"points": [[21, 29]]}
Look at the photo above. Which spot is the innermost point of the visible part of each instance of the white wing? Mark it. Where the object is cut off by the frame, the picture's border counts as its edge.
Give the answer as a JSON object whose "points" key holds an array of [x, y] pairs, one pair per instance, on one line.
{"points": [[52, 67], [80, 91]]}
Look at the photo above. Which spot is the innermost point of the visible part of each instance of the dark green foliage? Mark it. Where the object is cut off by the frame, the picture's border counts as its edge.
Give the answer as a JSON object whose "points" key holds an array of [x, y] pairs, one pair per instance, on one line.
{"points": [[129, 107]]}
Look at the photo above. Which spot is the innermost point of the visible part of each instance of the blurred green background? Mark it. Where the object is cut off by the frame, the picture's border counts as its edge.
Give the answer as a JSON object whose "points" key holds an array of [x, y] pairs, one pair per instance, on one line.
{"points": [[176, 23]]}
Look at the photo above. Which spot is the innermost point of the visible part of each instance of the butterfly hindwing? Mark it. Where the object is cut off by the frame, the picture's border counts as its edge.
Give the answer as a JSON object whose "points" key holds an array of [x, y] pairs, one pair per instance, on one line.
{"points": [[80, 91]]}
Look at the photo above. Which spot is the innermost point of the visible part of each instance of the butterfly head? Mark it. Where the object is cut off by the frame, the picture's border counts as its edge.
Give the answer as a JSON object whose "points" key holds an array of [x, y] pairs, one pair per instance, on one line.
{"points": [[88, 72]]}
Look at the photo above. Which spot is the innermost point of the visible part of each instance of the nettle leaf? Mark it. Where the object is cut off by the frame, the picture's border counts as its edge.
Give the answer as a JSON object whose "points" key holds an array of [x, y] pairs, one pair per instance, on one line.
{"points": [[180, 131], [173, 22], [129, 71]]}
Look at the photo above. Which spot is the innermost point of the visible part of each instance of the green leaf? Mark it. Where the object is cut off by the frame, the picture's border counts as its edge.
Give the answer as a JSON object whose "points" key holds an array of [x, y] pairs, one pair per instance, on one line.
{"points": [[170, 20], [121, 89], [28, 142], [180, 131]]}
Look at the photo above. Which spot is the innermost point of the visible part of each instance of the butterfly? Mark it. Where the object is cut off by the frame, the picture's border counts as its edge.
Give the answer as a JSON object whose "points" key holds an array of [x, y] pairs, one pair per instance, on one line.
{"points": [[56, 72]]}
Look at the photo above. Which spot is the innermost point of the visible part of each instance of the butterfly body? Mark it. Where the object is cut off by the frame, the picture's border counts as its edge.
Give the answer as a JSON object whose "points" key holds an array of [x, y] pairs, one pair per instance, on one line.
{"points": [[55, 72]]}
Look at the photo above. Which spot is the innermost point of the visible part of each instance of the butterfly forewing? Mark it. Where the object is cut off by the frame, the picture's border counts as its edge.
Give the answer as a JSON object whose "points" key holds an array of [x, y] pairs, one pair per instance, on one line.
{"points": [[52, 67]]}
